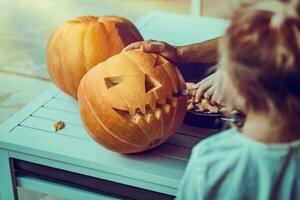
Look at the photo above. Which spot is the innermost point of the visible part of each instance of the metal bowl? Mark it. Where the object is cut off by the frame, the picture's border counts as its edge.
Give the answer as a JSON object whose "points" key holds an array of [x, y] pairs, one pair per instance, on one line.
{"points": [[212, 120]]}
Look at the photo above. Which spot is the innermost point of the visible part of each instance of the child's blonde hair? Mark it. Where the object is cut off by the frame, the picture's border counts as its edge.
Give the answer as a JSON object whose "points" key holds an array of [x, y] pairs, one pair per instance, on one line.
{"points": [[262, 53]]}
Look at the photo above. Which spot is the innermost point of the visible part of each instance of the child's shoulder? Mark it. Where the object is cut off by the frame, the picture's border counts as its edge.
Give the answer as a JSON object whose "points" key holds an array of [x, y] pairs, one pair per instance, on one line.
{"points": [[226, 142], [224, 138]]}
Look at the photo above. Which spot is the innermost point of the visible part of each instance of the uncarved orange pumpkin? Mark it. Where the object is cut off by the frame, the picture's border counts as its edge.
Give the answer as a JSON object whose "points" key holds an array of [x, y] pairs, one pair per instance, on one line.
{"points": [[80, 44], [129, 103]]}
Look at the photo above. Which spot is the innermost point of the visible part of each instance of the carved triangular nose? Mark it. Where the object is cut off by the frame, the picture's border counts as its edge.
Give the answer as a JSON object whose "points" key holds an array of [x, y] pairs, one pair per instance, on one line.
{"points": [[151, 84]]}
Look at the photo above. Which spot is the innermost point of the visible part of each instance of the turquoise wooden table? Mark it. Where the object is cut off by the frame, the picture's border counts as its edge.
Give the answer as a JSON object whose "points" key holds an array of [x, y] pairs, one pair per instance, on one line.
{"points": [[71, 165]]}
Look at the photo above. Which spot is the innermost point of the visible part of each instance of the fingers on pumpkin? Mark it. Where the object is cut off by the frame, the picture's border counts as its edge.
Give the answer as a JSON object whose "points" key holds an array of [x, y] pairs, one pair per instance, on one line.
{"points": [[135, 45], [156, 47]]}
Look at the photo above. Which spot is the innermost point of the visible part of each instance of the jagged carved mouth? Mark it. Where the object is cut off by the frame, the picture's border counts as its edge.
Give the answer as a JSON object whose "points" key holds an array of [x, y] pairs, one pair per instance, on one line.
{"points": [[148, 116], [165, 108]]}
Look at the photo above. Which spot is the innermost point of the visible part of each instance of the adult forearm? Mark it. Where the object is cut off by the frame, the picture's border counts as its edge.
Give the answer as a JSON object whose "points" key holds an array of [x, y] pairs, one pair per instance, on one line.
{"points": [[204, 52]]}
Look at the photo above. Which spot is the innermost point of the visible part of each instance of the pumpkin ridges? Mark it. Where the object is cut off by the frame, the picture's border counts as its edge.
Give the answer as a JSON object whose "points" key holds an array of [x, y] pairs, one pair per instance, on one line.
{"points": [[92, 44], [181, 108], [161, 124], [182, 84], [109, 44], [90, 62], [61, 69], [49, 54], [142, 124], [114, 38], [84, 49], [134, 33], [167, 119], [122, 24], [120, 28], [172, 120], [72, 57], [86, 19], [57, 70]]}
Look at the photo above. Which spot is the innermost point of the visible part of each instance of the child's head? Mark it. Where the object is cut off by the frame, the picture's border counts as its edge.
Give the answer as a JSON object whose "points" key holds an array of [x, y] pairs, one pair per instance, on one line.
{"points": [[261, 55]]}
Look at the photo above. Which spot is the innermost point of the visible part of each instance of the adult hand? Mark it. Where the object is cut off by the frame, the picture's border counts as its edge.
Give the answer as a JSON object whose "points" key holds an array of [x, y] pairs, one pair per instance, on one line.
{"points": [[210, 88], [151, 46]]}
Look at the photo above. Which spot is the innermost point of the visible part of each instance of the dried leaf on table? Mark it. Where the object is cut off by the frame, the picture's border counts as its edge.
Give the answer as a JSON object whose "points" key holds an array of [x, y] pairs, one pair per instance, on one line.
{"points": [[59, 125]]}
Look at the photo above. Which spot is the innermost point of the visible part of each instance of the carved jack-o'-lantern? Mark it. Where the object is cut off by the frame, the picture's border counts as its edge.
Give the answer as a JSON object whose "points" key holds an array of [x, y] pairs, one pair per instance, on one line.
{"points": [[80, 44], [129, 103]]}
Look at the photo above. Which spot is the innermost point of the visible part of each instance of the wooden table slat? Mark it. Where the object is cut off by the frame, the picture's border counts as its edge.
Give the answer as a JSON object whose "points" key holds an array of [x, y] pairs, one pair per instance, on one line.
{"points": [[186, 141], [58, 115], [72, 150], [46, 127], [69, 105]]}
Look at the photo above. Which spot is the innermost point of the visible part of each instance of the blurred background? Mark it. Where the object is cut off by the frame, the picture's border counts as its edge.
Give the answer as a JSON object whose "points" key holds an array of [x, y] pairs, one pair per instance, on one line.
{"points": [[27, 24]]}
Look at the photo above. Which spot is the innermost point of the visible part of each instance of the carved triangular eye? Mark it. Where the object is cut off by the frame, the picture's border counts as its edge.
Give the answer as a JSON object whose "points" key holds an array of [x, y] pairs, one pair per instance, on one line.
{"points": [[113, 81], [151, 84]]}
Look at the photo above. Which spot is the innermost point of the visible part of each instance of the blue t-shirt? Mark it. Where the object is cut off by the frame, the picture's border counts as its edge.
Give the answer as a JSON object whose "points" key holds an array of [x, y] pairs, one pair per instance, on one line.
{"points": [[233, 166]]}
